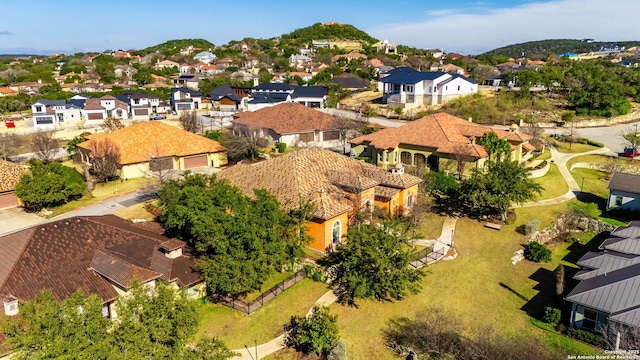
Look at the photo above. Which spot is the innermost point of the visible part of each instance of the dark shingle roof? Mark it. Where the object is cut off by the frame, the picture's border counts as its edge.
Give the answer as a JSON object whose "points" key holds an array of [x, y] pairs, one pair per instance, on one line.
{"points": [[224, 91], [625, 182], [350, 81], [50, 102], [405, 75], [309, 91], [58, 256], [274, 87]]}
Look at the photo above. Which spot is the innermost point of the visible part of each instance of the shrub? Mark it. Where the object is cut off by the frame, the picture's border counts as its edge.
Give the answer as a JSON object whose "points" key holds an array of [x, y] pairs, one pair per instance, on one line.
{"points": [[552, 315], [531, 227], [313, 273], [537, 252], [588, 337], [437, 182], [339, 352], [594, 143], [281, 146], [586, 209], [583, 141]]}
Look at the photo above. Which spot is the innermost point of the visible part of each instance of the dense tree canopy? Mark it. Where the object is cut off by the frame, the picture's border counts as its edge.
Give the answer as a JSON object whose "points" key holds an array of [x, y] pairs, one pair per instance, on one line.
{"points": [[495, 189], [373, 263], [240, 241], [150, 325], [316, 333], [48, 185]]}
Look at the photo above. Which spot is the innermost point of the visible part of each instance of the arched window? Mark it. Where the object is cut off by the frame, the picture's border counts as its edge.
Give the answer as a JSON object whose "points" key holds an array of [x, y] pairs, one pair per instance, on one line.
{"points": [[336, 232]]}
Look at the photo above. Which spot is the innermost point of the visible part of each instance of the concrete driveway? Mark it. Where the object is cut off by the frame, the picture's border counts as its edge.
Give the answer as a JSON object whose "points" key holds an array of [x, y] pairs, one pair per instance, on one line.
{"points": [[16, 218]]}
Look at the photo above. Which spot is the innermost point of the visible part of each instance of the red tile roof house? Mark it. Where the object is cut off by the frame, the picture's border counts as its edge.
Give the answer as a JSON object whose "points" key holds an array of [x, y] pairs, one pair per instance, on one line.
{"points": [[437, 141], [145, 143], [291, 123], [10, 174], [100, 255], [337, 186]]}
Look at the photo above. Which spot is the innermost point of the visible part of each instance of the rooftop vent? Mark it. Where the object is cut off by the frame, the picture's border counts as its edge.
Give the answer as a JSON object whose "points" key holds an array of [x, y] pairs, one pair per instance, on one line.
{"points": [[398, 169], [10, 305]]}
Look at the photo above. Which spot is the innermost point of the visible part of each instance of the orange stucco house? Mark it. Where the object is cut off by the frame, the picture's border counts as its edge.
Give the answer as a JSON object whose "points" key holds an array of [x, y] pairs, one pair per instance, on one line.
{"points": [[336, 185]]}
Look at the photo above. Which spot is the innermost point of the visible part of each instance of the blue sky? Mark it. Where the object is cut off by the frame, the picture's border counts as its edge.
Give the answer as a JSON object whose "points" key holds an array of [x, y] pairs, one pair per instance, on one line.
{"points": [[462, 26]]}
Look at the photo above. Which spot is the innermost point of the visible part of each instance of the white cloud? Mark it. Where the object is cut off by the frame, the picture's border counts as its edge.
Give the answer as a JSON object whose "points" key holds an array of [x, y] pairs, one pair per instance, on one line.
{"points": [[462, 31]]}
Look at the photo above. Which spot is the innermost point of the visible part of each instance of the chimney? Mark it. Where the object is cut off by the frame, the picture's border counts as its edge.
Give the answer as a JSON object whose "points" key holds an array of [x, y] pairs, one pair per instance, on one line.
{"points": [[10, 305], [172, 248], [470, 119], [255, 82], [473, 140], [398, 169]]}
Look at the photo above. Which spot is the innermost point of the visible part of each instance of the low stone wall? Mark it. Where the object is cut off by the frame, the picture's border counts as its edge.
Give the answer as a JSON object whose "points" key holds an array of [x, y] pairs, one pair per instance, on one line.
{"points": [[634, 115], [540, 172], [567, 223], [629, 169]]}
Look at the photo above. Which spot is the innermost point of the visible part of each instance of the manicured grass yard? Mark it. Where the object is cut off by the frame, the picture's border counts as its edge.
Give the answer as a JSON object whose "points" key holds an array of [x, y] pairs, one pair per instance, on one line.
{"points": [[431, 226], [237, 329], [575, 148], [594, 181], [553, 184], [103, 191], [268, 284], [602, 159], [481, 286]]}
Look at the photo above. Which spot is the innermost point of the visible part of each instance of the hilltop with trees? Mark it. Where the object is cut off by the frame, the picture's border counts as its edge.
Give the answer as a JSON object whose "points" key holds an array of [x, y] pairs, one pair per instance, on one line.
{"points": [[553, 46]]}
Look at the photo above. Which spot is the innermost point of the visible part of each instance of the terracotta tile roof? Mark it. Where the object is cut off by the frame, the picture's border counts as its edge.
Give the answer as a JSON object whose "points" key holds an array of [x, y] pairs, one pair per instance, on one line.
{"points": [[528, 147], [140, 141], [316, 175], [384, 193], [60, 256], [7, 91], [287, 118], [443, 132], [10, 174], [376, 63]]}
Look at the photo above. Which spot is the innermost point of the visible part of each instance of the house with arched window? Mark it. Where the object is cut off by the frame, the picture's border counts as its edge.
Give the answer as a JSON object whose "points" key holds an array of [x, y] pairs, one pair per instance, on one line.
{"points": [[441, 142], [338, 187]]}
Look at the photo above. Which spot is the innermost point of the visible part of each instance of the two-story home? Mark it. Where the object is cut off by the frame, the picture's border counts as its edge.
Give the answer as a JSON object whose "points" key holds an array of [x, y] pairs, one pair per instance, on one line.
{"points": [[206, 57], [166, 64], [48, 113], [184, 99], [191, 81], [407, 87], [270, 94]]}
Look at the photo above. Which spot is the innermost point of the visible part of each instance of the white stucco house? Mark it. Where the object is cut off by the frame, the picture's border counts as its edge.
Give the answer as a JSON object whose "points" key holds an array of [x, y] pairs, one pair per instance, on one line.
{"points": [[624, 192], [407, 87], [206, 57]]}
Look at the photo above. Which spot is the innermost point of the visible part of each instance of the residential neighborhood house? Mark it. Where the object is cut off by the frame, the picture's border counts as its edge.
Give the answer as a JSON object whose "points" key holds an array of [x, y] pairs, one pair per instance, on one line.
{"points": [[436, 141], [407, 87], [609, 281], [624, 192], [147, 148], [10, 174], [290, 123], [336, 185]]}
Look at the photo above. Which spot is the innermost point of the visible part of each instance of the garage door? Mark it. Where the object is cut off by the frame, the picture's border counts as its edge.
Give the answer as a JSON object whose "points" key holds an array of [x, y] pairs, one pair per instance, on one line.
{"points": [[195, 161], [95, 116], [7, 200], [140, 112]]}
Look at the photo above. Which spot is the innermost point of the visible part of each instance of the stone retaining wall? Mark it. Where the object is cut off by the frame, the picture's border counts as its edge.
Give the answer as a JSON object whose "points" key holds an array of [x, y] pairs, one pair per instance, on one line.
{"points": [[569, 222], [629, 169], [634, 115], [540, 172]]}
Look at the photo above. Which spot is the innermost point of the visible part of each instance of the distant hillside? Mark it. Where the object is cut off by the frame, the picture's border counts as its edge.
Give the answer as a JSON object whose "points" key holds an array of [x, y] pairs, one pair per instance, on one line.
{"points": [[327, 32], [173, 47], [555, 46]]}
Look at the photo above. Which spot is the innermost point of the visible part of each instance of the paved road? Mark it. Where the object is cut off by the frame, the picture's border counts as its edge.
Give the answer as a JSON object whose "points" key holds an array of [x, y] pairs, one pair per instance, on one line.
{"points": [[16, 218], [610, 136], [60, 154]]}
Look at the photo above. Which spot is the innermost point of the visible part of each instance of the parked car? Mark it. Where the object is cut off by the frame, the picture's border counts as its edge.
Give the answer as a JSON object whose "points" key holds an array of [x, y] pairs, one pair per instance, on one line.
{"points": [[628, 152], [157, 117], [9, 123]]}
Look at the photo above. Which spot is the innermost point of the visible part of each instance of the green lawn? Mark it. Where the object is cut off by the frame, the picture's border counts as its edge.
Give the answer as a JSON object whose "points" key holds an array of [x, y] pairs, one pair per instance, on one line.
{"points": [[591, 181], [569, 148], [268, 284], [553, 184], [103, 191], [601, 159], [237, 329], [431, 226], [546, 155]]}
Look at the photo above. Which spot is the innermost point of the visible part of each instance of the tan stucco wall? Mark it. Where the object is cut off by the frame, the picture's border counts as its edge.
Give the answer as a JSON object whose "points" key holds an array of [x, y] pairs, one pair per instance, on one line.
{"points": [[135, 170]]}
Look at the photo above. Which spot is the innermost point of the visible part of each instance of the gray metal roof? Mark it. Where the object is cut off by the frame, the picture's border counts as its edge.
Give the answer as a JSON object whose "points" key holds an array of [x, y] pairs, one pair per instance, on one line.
{"points": [[625, 182], [622, 245], [603, 263], [629, 316], [632, 230], [611, 292]]}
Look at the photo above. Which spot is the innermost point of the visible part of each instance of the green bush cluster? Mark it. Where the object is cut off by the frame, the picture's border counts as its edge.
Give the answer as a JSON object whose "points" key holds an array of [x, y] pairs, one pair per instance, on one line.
{"points": [[588, 337], [552, 315], [537, 252], [281, 146], [586, 209], [531, 227]]}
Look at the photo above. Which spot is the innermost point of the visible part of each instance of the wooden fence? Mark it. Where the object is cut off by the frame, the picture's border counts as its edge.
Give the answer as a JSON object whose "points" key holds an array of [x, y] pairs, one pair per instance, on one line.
{"points": [[425, 256], [251, 307]]}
